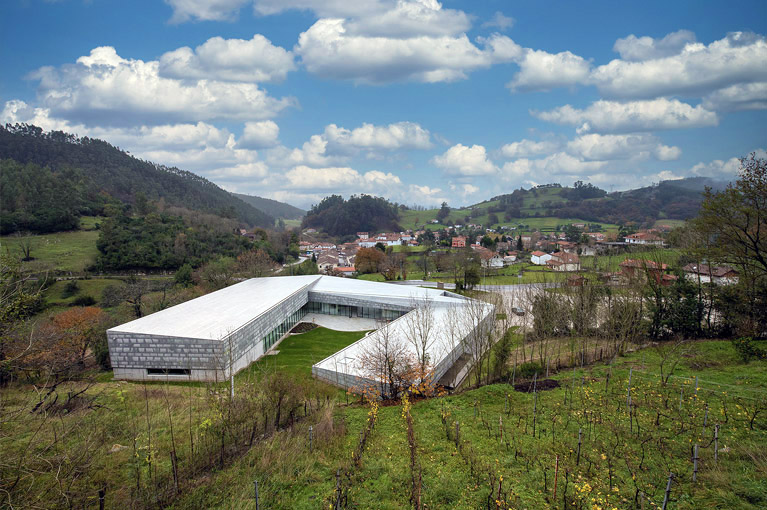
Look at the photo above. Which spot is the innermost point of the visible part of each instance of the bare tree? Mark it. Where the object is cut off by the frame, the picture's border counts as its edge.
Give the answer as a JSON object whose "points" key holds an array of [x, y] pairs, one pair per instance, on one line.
{"points": [[385, 359], [419, 324], [479, 334]]}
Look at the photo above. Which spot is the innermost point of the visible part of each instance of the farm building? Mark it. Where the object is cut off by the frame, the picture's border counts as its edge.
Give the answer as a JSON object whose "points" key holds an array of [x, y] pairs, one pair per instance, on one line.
{"points": [[219, 334]]}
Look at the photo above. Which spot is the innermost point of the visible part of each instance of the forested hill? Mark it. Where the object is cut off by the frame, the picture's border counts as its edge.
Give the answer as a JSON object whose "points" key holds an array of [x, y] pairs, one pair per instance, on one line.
{"points": [[361, 213], [49, 179], [678, 199], [273, 207]]}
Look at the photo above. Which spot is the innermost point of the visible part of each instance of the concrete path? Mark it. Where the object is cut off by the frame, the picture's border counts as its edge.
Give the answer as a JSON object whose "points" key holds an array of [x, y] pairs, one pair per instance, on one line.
{"points": [[340, 323]]}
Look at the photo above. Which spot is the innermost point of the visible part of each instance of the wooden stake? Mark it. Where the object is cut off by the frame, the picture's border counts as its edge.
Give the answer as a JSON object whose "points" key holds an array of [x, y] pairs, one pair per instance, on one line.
{"points": [[695, 464], [716, 443], [556, 474], [668, 490]]}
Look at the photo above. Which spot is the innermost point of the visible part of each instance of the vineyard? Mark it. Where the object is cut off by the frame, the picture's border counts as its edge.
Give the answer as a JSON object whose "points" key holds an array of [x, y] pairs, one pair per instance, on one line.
{"points": [[609, 436], [685, 428]]}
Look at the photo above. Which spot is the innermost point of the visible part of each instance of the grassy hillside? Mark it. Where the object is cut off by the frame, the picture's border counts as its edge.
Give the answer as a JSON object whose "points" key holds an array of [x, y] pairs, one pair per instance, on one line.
{"points": [[510, 447], [62, 251]]}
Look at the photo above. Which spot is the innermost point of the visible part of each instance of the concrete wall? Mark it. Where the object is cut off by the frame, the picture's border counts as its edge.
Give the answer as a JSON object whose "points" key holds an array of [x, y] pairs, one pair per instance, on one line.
{"points": [[133, 353]]}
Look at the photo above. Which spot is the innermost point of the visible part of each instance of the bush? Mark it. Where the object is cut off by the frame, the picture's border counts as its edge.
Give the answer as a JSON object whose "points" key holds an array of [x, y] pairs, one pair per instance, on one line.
{"points": [[70, 289], [528, 370], [83, 301], [101, 352], [747, 350]]}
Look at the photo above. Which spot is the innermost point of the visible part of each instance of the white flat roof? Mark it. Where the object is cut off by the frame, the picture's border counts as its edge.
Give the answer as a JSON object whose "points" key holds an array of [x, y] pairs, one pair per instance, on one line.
{"points": [[215, 315], [450, 324]]}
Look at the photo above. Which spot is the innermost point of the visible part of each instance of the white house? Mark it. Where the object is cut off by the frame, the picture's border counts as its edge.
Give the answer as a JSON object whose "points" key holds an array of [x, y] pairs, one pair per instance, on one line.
{"points": [[643, 238], [540, 258], [722, 275], [563, 261]]}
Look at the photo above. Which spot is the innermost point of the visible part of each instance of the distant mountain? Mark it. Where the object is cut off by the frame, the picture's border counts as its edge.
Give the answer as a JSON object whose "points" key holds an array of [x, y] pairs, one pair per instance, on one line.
{"points": [[273, 207], [48, 178]]}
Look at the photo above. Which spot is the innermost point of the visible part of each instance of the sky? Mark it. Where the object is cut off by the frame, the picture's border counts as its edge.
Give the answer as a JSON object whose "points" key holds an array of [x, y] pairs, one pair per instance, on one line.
{"points": [[413, 100]]}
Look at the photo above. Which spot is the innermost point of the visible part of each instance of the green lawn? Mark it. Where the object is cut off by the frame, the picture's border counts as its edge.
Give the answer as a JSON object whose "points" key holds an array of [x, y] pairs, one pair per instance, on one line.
{"points": [[297, 353], [62, 251], [54, 295], [612, 262]]}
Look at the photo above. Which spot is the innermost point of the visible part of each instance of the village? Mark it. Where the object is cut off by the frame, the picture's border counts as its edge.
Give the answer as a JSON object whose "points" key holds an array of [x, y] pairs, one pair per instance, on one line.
{"points": [[500, 249]]}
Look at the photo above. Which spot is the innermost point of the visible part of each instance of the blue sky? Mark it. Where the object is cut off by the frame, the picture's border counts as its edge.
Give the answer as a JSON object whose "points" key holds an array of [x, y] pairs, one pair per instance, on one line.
{"points": [[414, 100]]}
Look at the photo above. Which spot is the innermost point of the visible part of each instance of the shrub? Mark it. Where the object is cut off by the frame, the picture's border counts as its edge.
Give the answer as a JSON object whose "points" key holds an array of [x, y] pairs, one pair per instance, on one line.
{"points": [[70, 289], [747, 350], [528, 370], [83, 301]]}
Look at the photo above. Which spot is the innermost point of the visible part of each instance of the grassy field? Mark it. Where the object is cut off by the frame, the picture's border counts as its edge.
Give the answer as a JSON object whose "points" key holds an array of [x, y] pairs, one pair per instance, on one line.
{"points": [[509, 448], [612, 262], [516, 440], [63, 251], [55, 294]]}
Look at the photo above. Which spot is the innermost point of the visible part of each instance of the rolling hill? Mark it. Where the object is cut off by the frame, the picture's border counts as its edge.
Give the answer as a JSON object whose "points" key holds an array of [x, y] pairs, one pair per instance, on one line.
{"points": [[669, 200], [272, 207], [50, 179]]}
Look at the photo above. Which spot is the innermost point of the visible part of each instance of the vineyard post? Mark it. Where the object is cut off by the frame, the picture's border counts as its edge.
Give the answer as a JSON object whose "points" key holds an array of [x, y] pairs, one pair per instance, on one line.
{"points": [[668, 490], [500, 426], [255, 488], [628, 394], [681, 393], [535, 400], [716, 443], [695, 464], [102, 496], [311, 434], [457, 434], [578, 458], [556, 474]]}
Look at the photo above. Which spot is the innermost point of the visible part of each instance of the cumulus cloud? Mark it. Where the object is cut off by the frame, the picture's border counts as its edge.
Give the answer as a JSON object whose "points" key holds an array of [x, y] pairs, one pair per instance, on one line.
{"points": [[465, 161], [205, 10], [254, 60], [613, 116], [633, 48], [696, 69], [139, 139], [557, 164], [259, 135], [400, 135], [499, 21], [526, 148], [412, 19], [611, 147], [103, 88], [540, 70], [338, 178], [722, 168], [748, 96], [328, 50]]}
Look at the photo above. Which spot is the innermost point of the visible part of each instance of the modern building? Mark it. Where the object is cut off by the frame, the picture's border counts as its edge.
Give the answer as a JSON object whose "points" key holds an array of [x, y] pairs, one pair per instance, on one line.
{"points": [[219, 334]]}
